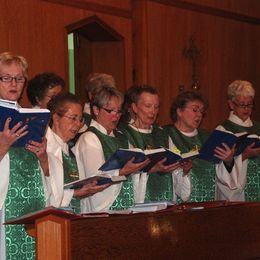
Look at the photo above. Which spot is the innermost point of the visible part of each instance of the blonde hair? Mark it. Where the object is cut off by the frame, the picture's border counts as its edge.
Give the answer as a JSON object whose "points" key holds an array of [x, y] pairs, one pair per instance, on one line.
{"points": [[7, 58], [240, 88]]}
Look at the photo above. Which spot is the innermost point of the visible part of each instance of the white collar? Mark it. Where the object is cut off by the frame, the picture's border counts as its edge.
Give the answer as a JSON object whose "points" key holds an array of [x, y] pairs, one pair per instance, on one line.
{"points": [[144, 131], [190, 134], [55, 141], [100, 128], [235, 119], [87, 108]]}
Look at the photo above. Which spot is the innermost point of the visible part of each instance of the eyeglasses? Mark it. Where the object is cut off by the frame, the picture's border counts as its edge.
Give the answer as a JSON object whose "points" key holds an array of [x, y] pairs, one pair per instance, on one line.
{"points": [[112, 112], [74, 118], [244, 106], [196, 110], [18, 79]]}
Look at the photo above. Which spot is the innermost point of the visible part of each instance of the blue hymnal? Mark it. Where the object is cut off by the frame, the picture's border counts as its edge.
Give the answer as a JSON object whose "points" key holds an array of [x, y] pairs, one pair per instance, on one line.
{"points": [[122, 156], [37, 121], [217, 138]]}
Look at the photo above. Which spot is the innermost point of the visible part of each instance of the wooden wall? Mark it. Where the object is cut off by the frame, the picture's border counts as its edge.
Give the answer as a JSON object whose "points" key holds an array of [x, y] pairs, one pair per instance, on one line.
{"points": [[229, 50], [36, 30], [155, 33]]}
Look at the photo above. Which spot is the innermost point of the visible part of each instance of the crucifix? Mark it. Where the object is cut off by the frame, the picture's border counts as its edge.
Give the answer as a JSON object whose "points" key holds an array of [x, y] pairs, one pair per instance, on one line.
{"points": [[192, 53]]}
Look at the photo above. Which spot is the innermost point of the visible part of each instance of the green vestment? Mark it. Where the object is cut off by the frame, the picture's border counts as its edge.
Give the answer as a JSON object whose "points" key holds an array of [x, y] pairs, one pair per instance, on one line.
{"points": [[71, 174], [252, 188], [110, 144], [25, 194], [202, 173], [159, 185]]}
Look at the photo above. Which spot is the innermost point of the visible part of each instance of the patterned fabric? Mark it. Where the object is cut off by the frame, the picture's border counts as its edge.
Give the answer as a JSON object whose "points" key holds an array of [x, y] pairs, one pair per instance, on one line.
{"points": [[252, 188], [159, 185], [71, 174], [25, 194], [202, 173], [110, 144]]}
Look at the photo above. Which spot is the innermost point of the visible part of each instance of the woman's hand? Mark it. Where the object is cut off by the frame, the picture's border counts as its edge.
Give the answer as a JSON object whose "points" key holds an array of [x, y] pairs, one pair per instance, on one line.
{"points": [[131, 167], [186, 166], [9, 136], [40, 150], [160, 167], [89, 189], [250, 151], [224, 153]]}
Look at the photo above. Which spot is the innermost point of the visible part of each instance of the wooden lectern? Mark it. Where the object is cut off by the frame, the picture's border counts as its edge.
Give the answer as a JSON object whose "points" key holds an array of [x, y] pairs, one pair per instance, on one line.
{"points": [[214, 230]]}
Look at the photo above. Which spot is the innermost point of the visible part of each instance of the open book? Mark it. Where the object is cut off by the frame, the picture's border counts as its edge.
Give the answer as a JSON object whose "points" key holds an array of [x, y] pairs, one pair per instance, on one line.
{"points": [[122, 156], [250, 139], [217, 138], [37, 120], [100, 179]]}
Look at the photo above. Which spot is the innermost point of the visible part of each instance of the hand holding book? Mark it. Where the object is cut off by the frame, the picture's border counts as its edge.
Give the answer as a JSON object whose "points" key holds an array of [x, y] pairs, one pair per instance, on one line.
{"points": [[9, 136], [251, 150], [161, 156], [161, 167], [90, 189], [225, 153], [25, 123], [98, 180], [220, 145], [132, 167]]}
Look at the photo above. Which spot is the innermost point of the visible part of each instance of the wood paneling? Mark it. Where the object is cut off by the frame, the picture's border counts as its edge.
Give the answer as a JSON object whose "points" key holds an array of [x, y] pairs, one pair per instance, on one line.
{"points": [[229, 51], [37, 31]]}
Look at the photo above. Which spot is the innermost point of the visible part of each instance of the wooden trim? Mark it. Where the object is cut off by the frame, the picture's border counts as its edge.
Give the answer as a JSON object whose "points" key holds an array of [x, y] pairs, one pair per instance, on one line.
{"points": [[140, 50], [94, 19], [94, 7], [210, 11]]}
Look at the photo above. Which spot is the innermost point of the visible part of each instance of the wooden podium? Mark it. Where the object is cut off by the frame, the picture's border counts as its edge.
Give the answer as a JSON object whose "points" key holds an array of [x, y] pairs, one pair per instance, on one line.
{"points": [[188, 231]]}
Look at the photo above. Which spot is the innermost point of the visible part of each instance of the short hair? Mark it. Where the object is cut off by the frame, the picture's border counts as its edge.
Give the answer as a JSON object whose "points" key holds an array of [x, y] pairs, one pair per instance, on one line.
{"points": [[182, 99], [136, 91], [103, 97], [240, 88], [39, 85], [58, 104], [96, 80], [8, 58], [132, 95]]}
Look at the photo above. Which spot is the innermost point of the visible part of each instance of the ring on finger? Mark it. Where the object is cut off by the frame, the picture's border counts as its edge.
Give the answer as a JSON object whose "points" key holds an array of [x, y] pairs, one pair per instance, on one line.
{"points": [[17, 134]]}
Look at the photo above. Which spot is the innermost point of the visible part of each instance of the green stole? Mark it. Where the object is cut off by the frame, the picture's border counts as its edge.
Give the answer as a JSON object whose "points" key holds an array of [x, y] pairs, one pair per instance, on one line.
{"points": [[87, 118], [202, 173], [71, 174], [25, 194], [110, 144], [252, 188], [159, 186]]}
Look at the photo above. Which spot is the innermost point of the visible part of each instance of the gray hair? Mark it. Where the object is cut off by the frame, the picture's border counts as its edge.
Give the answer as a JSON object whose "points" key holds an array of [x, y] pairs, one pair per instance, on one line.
{"points": [[240, 88], [7, 58], [103, 96]]}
